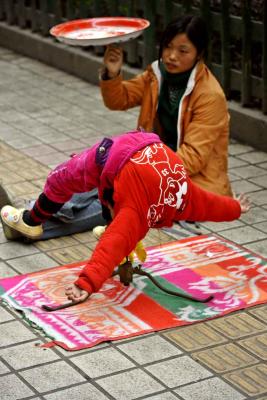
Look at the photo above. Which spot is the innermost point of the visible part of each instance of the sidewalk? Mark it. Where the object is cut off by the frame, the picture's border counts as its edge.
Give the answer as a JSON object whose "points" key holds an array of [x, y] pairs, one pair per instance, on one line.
{"points": [[45, 115]]}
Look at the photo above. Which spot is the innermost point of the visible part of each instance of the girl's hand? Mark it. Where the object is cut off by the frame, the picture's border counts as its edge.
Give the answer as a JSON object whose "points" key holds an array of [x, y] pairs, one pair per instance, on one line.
{"points": [[113, 59], [75, 294], [244, 202]]}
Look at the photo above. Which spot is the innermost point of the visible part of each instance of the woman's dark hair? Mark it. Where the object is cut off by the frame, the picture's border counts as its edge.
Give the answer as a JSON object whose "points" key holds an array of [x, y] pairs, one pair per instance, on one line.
{"points": [[194, 27]]}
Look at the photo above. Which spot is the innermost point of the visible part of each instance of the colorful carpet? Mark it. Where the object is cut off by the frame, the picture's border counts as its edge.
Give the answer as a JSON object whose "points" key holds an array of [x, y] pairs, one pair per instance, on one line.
{"points": [[199, 266]]}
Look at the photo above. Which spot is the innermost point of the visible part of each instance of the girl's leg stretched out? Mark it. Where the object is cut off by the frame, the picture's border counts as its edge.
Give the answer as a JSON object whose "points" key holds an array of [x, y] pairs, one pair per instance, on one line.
{"points": [[28, 223]]}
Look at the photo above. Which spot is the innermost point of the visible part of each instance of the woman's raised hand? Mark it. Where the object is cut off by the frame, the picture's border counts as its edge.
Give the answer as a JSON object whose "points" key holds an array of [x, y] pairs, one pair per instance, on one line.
{"points": [[113, 59]]}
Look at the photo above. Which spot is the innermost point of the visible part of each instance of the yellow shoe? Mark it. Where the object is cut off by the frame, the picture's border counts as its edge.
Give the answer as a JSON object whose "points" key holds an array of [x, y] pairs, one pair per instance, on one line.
{"points": [[98, 231], [13, 224]]}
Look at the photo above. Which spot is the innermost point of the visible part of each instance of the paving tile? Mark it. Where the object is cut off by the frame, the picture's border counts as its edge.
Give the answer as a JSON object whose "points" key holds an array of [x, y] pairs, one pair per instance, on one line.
{"points": [[52, 376], [12, 116], [148, 350], [249, 171], [255, 215], [5, 315], [130, 385], [57, 243], [85, 391], [232, 176], [39, 183], [14, 332], [224, 358], [195, 337], [261, 226], [102, 362], [254, 157], [209, 389], [3, 368], [260, 180], [263, 165], [239, 148], [6, 271], [9, 154], [23, 141], [256, 345], [244, 186], [27, 355], [21, 188], [162, 396], [39, 172], [8, 177], [259, 198], [259, 312], [53, 158], [35, 151], [49, 138], [70, 254], [252, 380], [178, 371], [234, 162], [259, 247], [12, 388], [68, 145], [11, 134], [85, 237], [32, 263], [221, 226], [237, 326], [16, 249], [243, 235]]}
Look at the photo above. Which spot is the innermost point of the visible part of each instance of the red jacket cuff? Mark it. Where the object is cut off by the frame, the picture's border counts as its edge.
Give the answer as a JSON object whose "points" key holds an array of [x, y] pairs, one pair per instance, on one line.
{"points": [[83, 284]]}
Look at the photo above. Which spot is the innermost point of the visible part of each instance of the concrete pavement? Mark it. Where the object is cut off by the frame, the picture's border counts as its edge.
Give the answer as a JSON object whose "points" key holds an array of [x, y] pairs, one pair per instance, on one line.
{"points": [[45, 115]]}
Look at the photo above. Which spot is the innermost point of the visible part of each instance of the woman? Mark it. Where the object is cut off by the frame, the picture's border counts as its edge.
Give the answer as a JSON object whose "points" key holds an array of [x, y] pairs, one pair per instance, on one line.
{"points": [[180, 100]]}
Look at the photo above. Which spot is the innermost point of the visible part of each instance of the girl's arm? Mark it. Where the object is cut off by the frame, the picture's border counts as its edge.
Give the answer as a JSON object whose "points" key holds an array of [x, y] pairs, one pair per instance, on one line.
{"points": [[117, 242], [207, 206]]}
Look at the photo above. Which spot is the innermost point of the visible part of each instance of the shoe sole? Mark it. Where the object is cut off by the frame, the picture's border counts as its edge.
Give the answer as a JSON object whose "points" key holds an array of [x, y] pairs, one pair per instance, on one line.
{"points": [[11, 233]]}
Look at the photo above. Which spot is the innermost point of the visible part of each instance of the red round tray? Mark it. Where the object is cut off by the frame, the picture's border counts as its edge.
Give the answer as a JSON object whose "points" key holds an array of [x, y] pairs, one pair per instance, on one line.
{"points": [[99, 31]]}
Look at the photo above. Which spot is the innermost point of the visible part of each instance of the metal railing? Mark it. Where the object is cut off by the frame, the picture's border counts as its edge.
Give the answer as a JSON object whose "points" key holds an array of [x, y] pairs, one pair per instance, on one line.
{"points": [[238, 48]]}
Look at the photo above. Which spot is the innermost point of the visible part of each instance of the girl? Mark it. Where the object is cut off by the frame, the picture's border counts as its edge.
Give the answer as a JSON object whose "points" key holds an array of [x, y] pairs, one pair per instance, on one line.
{"points": [[142, 182]]}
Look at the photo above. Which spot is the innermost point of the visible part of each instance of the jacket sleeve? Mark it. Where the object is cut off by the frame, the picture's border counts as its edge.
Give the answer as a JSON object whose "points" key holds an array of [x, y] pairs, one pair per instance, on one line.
{"points": [[119, 94], [117, 242], [207, 206], [210, 116]]}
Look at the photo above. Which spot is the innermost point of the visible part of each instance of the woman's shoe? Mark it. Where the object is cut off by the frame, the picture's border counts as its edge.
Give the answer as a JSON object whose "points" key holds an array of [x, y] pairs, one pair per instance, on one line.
{"points": [[14, 226], [98, 231]]}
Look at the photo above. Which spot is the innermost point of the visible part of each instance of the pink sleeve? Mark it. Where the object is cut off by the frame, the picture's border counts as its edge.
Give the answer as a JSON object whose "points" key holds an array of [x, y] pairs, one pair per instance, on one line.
{"points": [[77, 175], [119, 239]]}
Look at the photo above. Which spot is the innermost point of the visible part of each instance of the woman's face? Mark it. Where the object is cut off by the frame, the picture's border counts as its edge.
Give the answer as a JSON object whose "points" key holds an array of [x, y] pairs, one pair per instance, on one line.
{"points": [[179, 55]]}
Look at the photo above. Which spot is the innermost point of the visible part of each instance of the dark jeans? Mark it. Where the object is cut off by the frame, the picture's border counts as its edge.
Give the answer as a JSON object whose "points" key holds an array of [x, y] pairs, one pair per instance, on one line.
{"points": [[82, 213]]}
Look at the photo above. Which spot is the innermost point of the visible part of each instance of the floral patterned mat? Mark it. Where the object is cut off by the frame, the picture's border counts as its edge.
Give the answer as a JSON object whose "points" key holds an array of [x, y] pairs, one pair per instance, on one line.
{"points": [[200, 266]]}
